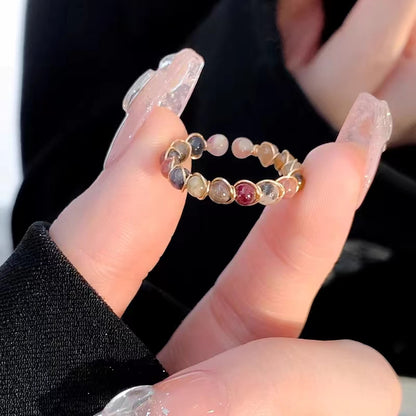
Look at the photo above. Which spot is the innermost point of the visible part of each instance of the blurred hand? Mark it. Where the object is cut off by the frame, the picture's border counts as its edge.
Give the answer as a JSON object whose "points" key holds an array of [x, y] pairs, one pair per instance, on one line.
{"points": [[373, 51], [115, 232]]}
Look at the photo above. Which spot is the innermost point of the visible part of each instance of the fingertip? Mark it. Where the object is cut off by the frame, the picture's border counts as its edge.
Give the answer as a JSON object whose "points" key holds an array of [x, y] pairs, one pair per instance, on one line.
{"points": [[319, 217], [335, 169]]}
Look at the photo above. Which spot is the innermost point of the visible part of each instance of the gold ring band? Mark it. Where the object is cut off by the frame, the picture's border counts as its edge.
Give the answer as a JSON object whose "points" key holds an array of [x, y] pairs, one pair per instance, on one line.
{"points": [[219, 190]]}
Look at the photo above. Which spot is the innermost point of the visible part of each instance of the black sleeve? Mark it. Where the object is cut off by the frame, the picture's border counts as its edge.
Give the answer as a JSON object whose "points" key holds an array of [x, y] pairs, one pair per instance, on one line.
{"points": [[62, 350]]}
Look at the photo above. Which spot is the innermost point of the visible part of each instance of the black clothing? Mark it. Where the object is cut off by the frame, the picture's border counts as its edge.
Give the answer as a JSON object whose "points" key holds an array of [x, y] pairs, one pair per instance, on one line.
{"points": [[80, 58], [62, 350]]}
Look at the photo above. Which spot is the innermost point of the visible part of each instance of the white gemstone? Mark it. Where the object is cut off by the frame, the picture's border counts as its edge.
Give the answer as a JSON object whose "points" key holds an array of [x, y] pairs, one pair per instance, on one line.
{"points": [[270, 192], [242, 147], [197, 186], [217, 145]]}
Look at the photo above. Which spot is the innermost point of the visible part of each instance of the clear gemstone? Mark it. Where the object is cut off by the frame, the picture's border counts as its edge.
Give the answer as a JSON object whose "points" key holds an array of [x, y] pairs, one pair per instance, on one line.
{"points": [[178, 176], [271, 191], [217, 145], [220, 191], [198, 145], [246, 193], [242, 147], [197, 186]]}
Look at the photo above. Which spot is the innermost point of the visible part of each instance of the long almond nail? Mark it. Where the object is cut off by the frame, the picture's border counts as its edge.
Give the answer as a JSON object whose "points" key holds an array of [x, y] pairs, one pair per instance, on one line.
{"points": [[170, 86], [369, 124], [196, 393]]}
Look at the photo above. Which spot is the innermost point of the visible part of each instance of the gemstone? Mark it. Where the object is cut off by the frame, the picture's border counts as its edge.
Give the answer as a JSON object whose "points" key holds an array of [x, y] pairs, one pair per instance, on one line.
{"points": [[167, 165], [246, 193], [217, 145], [290, 184], [279, 161], [266, 153], [220, 191], [197, 186], [198, 145], [242, 147], [182, 148], [172, 153], [289, 167], [178, 176], [301, 180], [271, 191]]}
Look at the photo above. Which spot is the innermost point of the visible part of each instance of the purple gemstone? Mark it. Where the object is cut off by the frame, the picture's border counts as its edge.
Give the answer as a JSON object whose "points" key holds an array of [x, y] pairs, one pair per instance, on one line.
{"points": [[178, 176], [167, 165]]}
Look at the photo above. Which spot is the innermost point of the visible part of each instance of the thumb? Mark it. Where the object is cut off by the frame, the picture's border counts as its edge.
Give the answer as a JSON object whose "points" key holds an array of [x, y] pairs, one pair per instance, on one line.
{"points": [[115, 232], [273, 376]]}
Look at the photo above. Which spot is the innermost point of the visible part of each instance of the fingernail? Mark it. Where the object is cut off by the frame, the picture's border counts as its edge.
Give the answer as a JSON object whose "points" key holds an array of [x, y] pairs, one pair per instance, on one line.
{"points": [[128, 401], [135, 89], [170, 86], [369, 124], [197, 393]]}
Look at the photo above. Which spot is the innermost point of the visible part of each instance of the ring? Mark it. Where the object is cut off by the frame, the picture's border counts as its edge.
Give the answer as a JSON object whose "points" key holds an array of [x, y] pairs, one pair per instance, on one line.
{"points": [[219, 190]]}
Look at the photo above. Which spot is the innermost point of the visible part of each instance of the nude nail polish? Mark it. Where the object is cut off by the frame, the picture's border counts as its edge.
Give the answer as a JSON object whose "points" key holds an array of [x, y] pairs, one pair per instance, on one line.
{"points": [[170, 86], [369, 124], [197, 393]]}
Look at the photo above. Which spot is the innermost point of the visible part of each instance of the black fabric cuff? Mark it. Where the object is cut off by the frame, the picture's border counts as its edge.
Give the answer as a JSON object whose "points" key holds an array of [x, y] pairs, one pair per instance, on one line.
{"points": [[62, 350]]}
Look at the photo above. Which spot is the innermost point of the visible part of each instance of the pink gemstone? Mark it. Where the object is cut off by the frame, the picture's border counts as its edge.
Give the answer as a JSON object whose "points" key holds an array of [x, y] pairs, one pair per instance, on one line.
{"points": [[290, 184], [242, 147], [246, 193], [167, 166], [217, 145]]}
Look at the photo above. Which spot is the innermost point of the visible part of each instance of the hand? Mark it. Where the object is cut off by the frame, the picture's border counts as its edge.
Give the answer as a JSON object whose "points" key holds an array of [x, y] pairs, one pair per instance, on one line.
{"points": [[373, 51], [265, 292]]}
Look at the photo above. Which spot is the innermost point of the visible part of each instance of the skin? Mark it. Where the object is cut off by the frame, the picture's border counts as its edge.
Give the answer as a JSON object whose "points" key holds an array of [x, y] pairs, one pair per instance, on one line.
{"points": [[302, 238], [374, 51], [252, 317]]}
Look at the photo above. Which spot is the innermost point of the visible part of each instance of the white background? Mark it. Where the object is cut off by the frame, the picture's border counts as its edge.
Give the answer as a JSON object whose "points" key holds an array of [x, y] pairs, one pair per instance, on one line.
{"points": [[11, 37]]}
